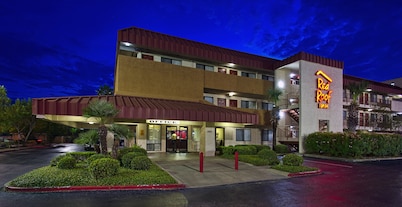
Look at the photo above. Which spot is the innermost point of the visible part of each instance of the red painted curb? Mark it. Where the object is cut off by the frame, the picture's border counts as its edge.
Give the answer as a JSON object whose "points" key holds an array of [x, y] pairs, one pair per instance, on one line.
{"points": [[316, 172], [96, 188]]}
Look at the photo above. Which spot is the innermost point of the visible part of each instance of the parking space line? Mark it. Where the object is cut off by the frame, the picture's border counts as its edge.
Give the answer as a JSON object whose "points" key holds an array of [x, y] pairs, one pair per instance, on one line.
{"points": [[331, 164]]}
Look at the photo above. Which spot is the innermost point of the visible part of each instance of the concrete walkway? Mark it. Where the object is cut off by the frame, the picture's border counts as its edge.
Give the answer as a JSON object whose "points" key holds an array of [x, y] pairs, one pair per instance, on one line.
{"points": [[185, 168]]}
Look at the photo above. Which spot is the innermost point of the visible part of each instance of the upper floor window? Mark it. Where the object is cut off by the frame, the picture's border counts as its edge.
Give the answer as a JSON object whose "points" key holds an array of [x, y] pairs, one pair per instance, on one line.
{"points": [[204, 67], [221, 102], [267, 135], [233, 103], [222, 70], [267, 106], [147, 57], [247, 74], [210, 99], [233, 72], [248, 104], [268, 77], [171, 61]]}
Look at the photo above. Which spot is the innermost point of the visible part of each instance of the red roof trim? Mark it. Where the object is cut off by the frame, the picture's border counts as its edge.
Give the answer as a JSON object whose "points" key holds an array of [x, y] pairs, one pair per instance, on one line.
{"points": [[144, 108]]}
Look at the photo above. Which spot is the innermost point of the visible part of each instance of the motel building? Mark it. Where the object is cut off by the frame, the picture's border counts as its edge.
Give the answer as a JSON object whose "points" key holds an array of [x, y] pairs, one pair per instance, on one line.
{"points": [[170, 89]]}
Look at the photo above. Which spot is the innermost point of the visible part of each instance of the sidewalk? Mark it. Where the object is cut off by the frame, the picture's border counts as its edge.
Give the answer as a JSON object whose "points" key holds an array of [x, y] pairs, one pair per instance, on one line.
{"points": [[185, 168]]}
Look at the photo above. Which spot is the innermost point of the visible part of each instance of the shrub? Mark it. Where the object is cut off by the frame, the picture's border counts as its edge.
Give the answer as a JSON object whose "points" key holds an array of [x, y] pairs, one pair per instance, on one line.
{"points": [[253, 159], [281, 148], [292, 160], [56, 160], [81, 156], [96, 157], [104, 167], [269, 155], [246, 149], [126, 150], [127, 158], [229, 150], [67, 162], [141, 163], [261, 147]]}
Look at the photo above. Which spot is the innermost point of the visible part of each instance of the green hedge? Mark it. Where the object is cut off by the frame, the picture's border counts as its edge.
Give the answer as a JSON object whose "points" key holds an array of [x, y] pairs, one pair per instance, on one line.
{"points": [[281, 148], [354, 145], [67, 162], [126, 150], [104, 167], [292, 160]]}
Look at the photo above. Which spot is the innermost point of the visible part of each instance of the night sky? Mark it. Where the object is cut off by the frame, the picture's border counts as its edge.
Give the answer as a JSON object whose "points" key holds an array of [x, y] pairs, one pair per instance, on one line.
{"points": [[55, 48]]}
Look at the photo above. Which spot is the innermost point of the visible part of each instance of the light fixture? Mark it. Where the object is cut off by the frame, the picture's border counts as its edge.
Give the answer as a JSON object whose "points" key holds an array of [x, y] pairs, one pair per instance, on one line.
{"points": [[91, 122], [369, 89], [231, 94], [127, 44], [231, 64], [369, 109], [281, 84]]}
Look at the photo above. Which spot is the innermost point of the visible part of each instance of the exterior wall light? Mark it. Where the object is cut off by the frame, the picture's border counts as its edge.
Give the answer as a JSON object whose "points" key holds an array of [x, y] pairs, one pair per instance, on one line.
{"points": [[231, 94]]}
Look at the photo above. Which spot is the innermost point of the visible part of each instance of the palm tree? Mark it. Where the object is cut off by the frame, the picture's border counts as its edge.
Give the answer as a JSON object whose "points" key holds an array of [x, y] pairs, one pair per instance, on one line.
{"points": [[104, 90], [356, 89], [273, 95], [119, 131], [103, 111]]}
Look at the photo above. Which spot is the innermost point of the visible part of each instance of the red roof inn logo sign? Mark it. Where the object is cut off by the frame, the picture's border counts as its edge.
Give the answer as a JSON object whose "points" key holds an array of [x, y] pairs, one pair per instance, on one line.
{"points": [[323, 92]]}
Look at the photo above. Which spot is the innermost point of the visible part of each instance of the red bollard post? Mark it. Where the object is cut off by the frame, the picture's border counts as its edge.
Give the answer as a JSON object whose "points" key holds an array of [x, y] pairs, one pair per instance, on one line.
{"points": [[201, 162], [236, 160]]}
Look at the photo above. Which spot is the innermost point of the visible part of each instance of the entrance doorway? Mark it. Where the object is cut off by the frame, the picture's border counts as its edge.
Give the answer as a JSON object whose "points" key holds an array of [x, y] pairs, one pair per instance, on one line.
{"points": [[219, 137], [176, 138]]}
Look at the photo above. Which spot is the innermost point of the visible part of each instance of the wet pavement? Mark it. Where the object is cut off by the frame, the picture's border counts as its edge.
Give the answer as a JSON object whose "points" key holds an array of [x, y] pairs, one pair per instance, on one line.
{"points": [[185, 168]]}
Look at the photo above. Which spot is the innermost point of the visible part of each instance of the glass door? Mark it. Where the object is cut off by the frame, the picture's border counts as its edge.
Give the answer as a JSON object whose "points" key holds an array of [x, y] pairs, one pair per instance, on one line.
{"points": [[176, 139]]}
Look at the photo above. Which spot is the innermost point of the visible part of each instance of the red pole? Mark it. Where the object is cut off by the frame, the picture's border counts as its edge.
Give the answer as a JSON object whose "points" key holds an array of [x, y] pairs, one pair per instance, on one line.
{"points": [[201, 162], [236, 160]]}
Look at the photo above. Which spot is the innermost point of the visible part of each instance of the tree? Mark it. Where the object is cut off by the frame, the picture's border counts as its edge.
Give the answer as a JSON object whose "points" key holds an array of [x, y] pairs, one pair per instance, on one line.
{"points": [[103, 112], [273, 95], [104, 90], [89, 137], [119, 132], [19, 117], [4, 103], [355, 89]]}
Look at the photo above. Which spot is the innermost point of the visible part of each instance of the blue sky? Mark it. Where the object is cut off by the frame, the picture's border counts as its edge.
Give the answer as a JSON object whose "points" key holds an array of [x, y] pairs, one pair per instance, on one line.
{"points": [[67, 47]]}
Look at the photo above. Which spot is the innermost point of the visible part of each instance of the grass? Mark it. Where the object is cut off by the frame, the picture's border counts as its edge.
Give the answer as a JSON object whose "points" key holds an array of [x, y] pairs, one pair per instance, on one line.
{"points": [[54, 177], [293, 169], [255, 160]]}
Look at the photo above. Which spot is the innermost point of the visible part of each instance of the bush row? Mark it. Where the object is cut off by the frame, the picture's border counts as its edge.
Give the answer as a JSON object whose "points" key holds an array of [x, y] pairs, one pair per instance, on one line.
{"points": [[354, 145], [101, 166]]}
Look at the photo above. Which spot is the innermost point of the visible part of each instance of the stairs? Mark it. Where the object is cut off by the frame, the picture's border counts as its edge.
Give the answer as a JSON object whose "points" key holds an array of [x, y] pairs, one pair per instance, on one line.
{"points": [[294, 113]]}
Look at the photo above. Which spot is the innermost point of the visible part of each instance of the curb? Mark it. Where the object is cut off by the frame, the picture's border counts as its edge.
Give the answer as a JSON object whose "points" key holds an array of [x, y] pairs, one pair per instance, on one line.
{"points": [[299, 174], [95, 188]]}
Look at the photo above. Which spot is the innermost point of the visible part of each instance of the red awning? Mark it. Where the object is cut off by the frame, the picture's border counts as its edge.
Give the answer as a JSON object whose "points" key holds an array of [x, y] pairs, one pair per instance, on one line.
{"points": [[144, 108]]}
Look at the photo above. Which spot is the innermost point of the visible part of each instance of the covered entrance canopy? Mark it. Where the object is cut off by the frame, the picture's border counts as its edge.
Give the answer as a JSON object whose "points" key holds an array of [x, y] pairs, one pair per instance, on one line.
{"points": [[69, 110]]}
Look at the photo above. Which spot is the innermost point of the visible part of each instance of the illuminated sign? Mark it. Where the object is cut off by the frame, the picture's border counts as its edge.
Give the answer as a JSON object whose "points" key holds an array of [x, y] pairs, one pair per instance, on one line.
{"points": [[323, 92], [156, 121]]}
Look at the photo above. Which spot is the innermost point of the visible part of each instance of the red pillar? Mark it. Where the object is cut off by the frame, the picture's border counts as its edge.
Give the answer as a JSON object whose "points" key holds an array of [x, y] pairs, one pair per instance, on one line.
{"points": [[236, 160], [201, 162]]}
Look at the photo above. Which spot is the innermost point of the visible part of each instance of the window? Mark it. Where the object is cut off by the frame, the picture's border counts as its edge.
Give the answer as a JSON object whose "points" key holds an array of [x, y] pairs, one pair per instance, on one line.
{"points": [[221, 102], [267, 106], [243, 134], [154, 138], [248, 104], [268, 78], [373, 118], [247, 74], [267, 135], [233, 72], [210, 99], [171, 61], [204, 67], [222, 70], [373, 98], [233, 103], [147, 57]]}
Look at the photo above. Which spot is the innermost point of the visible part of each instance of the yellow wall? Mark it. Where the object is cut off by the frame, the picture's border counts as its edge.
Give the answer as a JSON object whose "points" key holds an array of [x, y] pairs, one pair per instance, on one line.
{"points": [[145, 78], [239, 84]]}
